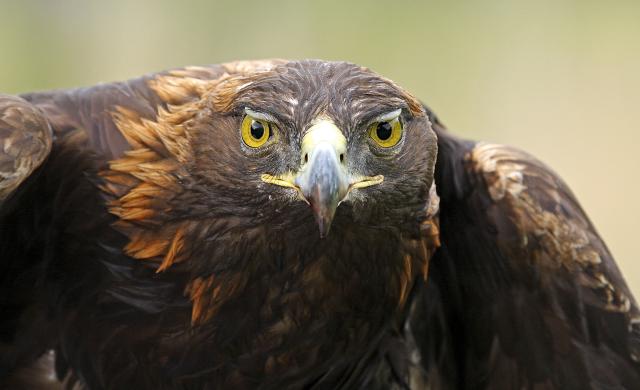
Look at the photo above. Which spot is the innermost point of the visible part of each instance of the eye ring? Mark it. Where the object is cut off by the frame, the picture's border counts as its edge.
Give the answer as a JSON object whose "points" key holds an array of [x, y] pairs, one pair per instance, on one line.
{"points": [[386, 133], [255, 132]]}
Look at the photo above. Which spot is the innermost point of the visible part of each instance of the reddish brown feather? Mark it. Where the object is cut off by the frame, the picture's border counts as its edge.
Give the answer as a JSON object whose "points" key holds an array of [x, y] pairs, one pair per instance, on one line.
{"points": [[174, 251], [143, 179]]}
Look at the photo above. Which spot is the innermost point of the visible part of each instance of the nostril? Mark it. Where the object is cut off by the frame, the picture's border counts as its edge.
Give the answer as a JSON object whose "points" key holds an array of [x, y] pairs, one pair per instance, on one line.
{"points": [[341, 157], [306, 158]]}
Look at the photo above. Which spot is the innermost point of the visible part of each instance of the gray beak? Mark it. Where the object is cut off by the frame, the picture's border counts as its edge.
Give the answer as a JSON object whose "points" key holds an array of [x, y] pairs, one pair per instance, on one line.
{"points": [[323, 183]]}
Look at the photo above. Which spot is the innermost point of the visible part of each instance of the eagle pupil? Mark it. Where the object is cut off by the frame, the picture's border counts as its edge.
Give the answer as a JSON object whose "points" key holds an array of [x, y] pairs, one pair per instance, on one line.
{"points": [[384, 131], [257, 130]]}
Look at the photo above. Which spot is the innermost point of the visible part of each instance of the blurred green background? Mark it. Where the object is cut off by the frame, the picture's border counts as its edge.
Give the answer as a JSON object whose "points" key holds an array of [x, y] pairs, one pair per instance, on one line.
{"points": [[560, 79]]}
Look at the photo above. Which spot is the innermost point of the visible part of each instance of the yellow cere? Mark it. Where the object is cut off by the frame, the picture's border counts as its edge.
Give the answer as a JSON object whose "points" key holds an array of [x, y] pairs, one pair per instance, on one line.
{"points": [[255, 132], [386, 133]]}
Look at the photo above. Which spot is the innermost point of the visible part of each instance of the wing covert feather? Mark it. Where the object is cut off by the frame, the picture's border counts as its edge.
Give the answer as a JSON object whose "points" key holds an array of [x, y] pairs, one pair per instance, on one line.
{"points": [[25, 142]]}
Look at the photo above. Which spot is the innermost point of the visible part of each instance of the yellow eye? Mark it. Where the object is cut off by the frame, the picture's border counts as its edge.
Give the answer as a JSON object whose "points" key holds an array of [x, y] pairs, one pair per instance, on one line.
{"points": [[386, 133], [255, 132]]}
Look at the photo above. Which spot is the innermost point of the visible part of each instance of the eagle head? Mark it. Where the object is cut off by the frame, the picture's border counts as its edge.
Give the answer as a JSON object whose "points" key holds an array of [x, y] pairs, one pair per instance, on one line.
{"points": [[329, 142]]}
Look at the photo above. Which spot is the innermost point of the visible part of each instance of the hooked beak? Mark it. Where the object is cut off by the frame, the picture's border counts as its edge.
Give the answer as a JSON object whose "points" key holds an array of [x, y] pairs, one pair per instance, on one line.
{"points": [[323, 180]]}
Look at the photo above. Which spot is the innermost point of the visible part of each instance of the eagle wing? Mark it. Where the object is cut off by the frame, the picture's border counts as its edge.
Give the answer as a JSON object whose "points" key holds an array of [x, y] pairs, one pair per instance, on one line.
{"points": [[523, 292], [25, 142]]}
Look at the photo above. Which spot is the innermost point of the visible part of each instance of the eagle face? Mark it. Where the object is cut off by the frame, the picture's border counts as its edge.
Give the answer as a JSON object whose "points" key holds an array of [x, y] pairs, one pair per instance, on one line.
{"points": [[314, 144]]}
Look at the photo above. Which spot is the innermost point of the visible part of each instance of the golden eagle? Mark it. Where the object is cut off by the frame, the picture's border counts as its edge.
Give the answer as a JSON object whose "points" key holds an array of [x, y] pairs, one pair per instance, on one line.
{"points": [[291, 224]]}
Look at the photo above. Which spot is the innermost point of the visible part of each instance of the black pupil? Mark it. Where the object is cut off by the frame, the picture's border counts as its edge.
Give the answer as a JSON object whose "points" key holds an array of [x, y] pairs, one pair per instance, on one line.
{"points": [[384, 131], [257, 130]]}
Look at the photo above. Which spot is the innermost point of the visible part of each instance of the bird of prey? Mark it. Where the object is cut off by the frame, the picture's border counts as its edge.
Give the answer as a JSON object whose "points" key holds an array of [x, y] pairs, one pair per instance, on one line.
{"points": [[291, 225]]}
